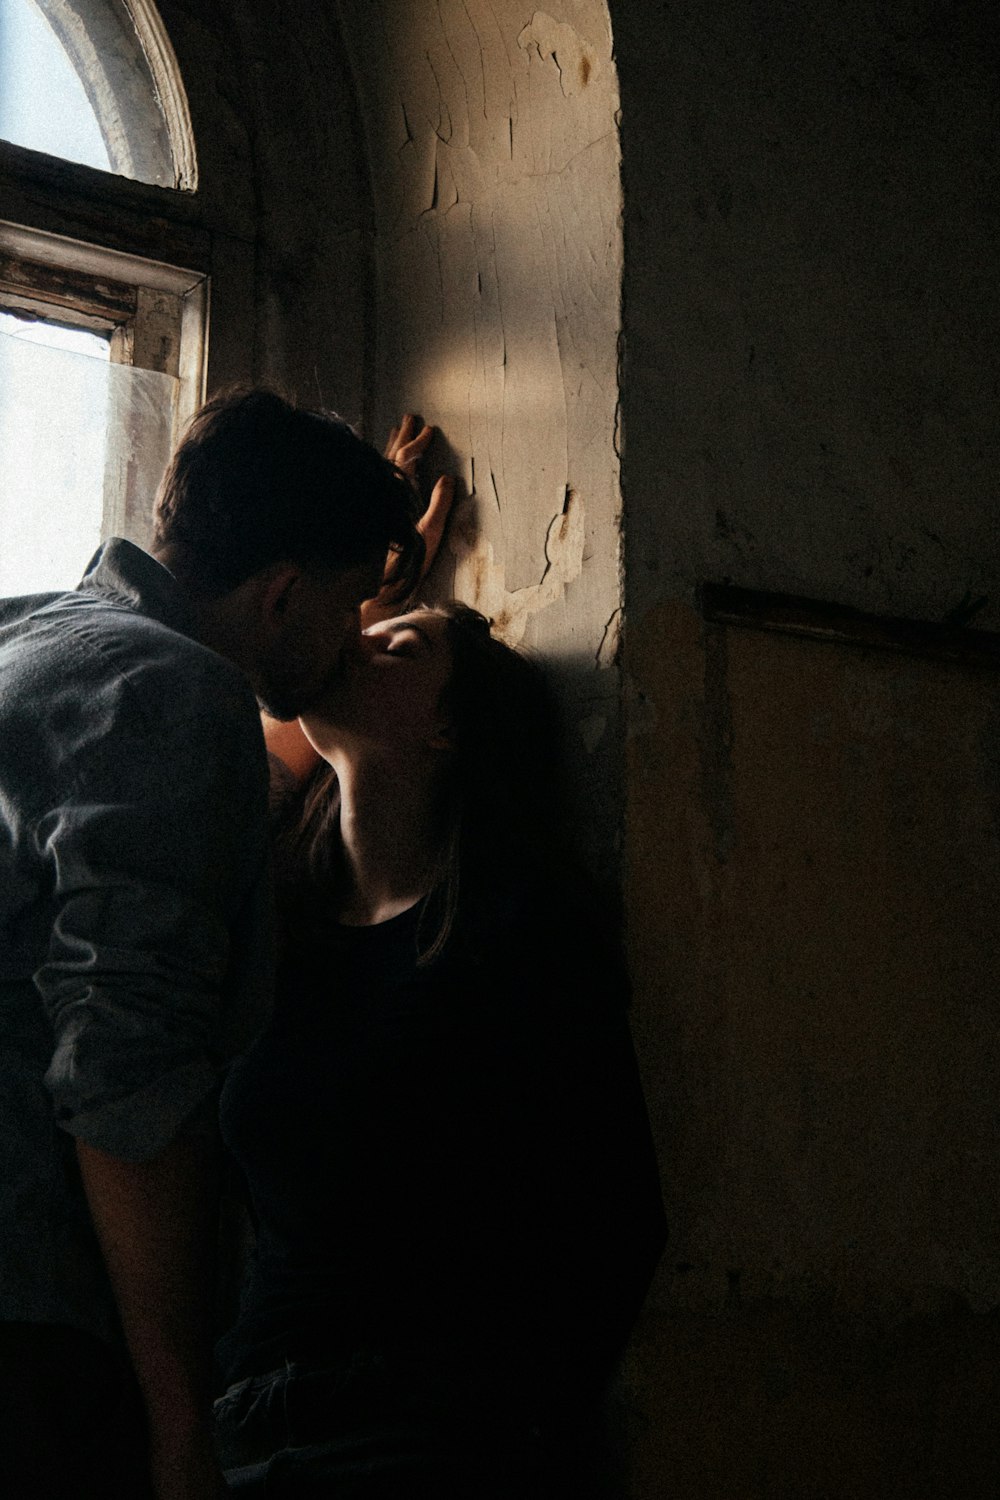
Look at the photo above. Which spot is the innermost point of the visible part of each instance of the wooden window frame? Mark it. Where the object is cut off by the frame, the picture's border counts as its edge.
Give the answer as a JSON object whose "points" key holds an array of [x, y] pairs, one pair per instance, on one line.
{"points": [[155, 315]]}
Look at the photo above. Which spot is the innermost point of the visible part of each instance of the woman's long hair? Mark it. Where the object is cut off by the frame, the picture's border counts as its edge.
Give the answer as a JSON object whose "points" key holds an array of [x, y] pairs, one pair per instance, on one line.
{"points": [[507, 830]]}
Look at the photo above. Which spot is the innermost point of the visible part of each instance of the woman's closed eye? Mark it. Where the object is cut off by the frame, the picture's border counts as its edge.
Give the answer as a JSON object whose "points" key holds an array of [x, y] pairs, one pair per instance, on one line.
{"points": [[408, 642]]}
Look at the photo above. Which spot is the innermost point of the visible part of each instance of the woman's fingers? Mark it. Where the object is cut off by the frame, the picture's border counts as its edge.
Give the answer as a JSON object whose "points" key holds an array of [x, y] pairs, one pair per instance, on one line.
{"points": [[401, 434], [406, 446], [431, 526], [408, 443], [434, 520]]}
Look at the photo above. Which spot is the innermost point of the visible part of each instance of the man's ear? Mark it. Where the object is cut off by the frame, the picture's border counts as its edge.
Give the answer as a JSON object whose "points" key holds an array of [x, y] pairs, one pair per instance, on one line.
{"points": [[277, 595]]}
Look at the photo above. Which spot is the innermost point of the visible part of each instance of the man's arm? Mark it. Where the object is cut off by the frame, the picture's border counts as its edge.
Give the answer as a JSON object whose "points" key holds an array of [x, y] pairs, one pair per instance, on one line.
{"points": [[156, 1224], [154, 852]]}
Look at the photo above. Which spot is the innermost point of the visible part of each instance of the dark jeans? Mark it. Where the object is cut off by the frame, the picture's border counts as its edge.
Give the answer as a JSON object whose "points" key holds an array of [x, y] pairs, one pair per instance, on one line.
{"points": [[71, 1421], [375, 1428]]}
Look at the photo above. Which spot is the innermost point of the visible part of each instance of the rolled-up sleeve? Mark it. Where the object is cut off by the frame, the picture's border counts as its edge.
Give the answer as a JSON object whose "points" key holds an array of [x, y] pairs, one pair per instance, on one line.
{"points": [[154, 853]]}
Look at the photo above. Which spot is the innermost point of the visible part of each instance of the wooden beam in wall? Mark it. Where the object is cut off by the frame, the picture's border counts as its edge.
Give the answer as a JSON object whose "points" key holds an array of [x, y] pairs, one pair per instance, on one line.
{"points": [[788, 614]]}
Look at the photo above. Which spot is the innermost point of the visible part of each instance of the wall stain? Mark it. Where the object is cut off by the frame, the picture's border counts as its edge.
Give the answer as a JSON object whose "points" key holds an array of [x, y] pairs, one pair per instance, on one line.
{"points": [[717, 744], [561, 45], [482, 579]]}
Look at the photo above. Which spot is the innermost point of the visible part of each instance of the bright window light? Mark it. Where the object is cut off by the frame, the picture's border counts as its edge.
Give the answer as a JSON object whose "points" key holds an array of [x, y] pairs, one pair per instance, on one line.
{"points": [[56, 336], [43, 104], [53, 437]]}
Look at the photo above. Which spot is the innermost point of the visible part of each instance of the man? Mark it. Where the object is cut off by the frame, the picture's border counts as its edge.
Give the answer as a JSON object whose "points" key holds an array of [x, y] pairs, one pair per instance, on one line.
{"points": [[133, 917]]}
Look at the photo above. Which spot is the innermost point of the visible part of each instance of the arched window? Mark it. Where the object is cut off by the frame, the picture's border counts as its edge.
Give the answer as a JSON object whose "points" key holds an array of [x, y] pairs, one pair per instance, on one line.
{"points": [[96, 82], [101, 349]]}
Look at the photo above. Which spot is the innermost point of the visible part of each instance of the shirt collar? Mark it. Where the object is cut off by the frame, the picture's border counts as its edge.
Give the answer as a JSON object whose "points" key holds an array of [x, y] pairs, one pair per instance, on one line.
{"points": [[121, 572]]}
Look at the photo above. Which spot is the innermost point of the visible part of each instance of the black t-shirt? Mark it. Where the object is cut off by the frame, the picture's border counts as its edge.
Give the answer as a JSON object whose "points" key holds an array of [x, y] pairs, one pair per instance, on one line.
{"points": [[454, 1156]]}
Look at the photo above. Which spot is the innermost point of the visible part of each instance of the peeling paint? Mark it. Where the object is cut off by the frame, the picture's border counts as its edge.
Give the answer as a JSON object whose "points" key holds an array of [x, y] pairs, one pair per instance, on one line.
{"points": [[561, 45], [498, 253], [480, 577]]}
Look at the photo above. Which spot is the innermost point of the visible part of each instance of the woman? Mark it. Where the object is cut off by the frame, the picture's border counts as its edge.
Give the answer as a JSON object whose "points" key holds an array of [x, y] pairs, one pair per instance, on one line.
{"points": [[442, 1134]]}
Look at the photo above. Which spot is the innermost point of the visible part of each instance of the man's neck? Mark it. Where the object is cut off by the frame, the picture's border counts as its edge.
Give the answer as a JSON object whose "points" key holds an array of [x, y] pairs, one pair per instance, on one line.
{"points": [[220, 620]]}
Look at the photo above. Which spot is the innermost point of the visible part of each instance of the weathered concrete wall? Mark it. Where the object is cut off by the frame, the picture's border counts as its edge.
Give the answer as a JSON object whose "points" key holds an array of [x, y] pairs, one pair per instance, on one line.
{"points": [[812, 299], [813, 882], [813, 846]]}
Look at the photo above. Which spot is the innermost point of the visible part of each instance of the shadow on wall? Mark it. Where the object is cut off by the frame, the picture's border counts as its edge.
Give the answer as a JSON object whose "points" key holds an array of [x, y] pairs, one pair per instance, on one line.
{"points": [[814, 873]]}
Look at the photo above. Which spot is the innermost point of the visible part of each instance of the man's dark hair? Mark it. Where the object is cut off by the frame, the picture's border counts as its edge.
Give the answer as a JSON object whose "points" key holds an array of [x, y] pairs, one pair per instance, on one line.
{"points": [[257, 481]]}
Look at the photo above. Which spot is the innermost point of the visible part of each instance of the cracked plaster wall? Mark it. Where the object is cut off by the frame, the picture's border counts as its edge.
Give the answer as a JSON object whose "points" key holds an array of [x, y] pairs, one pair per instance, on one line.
{"points": [[492, 147], [813, 301]]}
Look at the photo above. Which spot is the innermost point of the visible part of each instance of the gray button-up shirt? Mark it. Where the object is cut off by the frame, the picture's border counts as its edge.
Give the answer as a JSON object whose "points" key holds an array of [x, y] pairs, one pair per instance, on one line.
{"points": [[134, 921]]}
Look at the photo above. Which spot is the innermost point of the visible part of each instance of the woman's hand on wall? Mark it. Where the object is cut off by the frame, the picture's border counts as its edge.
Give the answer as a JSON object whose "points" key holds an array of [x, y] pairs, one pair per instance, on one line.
{"points": [[406, 447]]}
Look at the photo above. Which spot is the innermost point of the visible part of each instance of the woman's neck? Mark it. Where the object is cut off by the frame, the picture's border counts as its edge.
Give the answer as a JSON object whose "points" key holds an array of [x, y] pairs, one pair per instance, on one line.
{"points": [[391, 834]]}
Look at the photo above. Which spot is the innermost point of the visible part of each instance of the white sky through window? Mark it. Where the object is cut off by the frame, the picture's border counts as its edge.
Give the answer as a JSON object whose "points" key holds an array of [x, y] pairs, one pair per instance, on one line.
{"points": [[53, 436], [56, 336], [43, 104]]}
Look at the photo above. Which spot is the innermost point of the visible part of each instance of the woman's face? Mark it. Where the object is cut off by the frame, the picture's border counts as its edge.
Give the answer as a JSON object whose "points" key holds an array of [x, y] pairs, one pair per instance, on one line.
{"points": [[391, 688]]}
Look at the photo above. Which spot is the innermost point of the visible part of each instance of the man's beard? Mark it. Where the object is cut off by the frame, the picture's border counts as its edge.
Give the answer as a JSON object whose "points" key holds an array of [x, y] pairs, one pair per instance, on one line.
{"points": [[286, 700]]}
